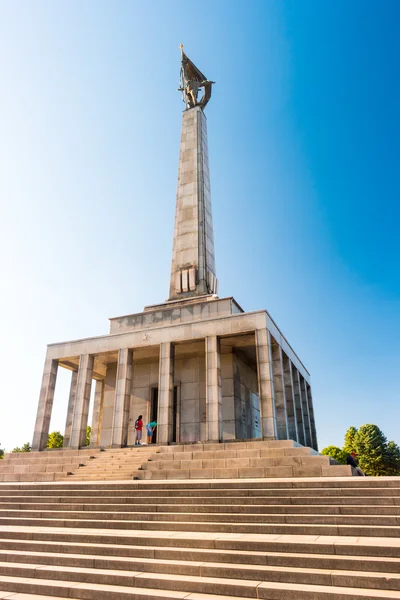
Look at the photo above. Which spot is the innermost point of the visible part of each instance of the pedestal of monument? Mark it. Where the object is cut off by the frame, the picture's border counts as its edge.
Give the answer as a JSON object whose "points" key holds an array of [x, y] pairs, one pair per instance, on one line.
{"points": [[203, 368]]}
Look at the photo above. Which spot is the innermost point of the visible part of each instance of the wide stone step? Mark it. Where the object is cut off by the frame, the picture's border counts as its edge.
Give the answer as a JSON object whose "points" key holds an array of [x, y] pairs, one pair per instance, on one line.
{"points": [[246, 472], [112, 464], [288, 486], [45, 468], [270, 591], [133, 465], [124, 557], [19, 577], [368, 502], [99, 471], [234, 445], [199, 489], [213, 463], [51, 454], [353, 484], [99, 478], [105, 592], [231, 454], [189, 507], [16, 477], [45, 459], [40, 462], [21, 564], [217, 526], [281, 543], [184, 514]]}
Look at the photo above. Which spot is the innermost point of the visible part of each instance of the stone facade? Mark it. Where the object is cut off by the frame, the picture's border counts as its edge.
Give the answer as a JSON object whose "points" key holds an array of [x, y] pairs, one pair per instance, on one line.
{"points": [[199, 365], [222, 377]]}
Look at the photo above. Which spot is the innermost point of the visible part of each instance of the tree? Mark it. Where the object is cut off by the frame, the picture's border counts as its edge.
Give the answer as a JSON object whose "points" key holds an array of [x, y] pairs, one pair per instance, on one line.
{"points": [[55, 440], [88, 434], [392, 459], [336, 453], [25, 448], [375, 455], [370, 445], [349, 440], [1, 453]]}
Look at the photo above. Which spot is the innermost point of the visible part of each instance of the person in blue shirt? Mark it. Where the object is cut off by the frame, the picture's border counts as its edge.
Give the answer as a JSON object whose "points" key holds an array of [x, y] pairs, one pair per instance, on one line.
{"points": [[150, 427]]}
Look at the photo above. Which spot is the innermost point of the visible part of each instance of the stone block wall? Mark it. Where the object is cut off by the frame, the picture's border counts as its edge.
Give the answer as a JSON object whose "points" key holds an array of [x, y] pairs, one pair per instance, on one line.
{"points": [[191, 378]]}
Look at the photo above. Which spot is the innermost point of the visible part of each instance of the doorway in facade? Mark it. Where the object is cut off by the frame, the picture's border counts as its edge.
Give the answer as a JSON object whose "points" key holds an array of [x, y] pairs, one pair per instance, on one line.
{"points": [[154, 412]]}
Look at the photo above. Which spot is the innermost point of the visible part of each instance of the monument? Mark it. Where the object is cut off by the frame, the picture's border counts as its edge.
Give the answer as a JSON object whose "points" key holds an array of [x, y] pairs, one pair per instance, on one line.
{"points": [[199, 365]]}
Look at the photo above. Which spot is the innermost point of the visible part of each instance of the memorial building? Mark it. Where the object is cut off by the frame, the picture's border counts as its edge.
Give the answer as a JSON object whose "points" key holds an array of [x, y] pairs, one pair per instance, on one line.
{"points": [[199, 365]]}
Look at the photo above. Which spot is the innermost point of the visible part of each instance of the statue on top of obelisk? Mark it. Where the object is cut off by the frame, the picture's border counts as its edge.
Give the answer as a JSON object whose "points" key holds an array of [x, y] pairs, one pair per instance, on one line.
{"points": [[191, 81]]}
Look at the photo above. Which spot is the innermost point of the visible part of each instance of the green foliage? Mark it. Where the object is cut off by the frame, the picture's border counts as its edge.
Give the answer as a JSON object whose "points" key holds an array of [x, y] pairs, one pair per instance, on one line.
{"points": [[25, 448], [1, 453], [349, 440], [336, 453], [371, 448], [55, 440], [88, 434], [392, 462], [375, 455]]}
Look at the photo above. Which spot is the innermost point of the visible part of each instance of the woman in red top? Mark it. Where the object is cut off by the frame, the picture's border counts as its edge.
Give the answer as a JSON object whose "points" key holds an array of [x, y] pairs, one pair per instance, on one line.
{"points": [[138, 428]]}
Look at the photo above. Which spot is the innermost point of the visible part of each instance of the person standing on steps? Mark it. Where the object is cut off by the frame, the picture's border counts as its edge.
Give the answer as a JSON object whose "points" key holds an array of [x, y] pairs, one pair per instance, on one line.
{"points": [[150, 427], [351, 460], [138, 430]]}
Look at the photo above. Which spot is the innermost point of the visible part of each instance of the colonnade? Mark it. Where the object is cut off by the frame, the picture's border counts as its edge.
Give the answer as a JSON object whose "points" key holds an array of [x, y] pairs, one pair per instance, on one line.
{"points": [[285, 396]]}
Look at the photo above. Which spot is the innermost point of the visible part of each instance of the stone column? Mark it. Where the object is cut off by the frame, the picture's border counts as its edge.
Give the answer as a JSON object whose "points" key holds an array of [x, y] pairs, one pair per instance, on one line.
{"points": [[81, 412], [97, 413], [298, 406], [45, 406], [265, 384], [289, 394], [70, 411], [312, 419], [122, 398], [165, 393], [280, 396], [213, 389], [306, 414]]}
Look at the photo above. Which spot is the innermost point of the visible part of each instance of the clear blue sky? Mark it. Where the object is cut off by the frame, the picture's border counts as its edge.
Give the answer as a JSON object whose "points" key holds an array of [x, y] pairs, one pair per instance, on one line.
{"points": [[304, 157]]}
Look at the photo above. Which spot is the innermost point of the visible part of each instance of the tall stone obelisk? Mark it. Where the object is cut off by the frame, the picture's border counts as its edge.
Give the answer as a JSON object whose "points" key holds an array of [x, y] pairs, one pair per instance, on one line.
{"points": [[193, 263]]}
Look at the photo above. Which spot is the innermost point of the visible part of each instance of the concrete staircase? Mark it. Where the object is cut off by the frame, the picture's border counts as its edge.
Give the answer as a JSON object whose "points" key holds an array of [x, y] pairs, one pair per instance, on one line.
{"points": [[49, 465], [230, 460], [279, 539], [227, 460], [112, 465], [80, 465]]}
